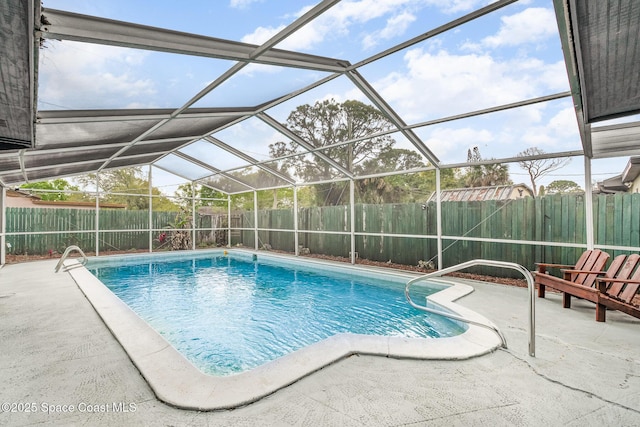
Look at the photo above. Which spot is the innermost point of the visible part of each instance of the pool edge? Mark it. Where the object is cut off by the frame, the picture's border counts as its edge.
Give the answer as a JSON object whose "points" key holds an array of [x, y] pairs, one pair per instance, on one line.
{"points": [[177, 382]]}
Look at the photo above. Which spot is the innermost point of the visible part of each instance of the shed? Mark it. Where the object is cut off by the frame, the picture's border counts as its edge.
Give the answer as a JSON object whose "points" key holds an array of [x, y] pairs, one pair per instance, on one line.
{"points": [[479, 194], [24, 199]]}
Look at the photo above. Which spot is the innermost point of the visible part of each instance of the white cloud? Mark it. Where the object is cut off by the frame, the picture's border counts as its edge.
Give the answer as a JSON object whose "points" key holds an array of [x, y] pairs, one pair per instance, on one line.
{"points": [[91, 76], [441, 84], [339, 20], [261, 35], [532, 25], [396, 25], [445, 141], [456, 6], [564, 124], [555, 76], [559, 133], [243, 4]]}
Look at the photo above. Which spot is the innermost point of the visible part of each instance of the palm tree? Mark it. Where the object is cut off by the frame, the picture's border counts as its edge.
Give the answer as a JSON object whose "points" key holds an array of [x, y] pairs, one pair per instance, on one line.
{"points": [[487, 175]]}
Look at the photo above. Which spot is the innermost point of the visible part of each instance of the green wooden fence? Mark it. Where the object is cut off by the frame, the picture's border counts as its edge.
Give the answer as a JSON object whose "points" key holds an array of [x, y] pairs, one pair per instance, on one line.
{"points": [[550, 219], [545, 220], [77, 227]]}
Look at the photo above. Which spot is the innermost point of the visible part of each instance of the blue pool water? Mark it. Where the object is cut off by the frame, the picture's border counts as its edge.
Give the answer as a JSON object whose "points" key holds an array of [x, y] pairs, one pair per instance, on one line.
{"points": [[229, 315]]}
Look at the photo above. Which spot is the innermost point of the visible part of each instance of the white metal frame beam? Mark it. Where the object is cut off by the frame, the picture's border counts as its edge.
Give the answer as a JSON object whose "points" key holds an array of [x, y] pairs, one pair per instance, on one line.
{"points": [[64, 25]]}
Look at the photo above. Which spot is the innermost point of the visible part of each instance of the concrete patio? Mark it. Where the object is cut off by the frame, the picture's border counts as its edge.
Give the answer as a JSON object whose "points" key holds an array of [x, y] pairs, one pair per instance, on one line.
{"points": [[58, 356]]}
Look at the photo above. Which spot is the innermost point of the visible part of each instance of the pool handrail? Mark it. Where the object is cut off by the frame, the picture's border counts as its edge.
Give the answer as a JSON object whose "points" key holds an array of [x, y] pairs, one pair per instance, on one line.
{"points": [[66, 254], [490, 263]]}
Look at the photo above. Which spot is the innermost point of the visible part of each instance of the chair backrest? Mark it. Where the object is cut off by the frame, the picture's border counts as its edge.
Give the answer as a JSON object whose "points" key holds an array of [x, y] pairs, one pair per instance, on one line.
{"points": [[620, 267], [630, 270], [591, 260]]}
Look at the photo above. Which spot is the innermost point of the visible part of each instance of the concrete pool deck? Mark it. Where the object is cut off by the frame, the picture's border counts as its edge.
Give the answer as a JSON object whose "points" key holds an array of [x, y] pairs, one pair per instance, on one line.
{"points": [[56, 351]]}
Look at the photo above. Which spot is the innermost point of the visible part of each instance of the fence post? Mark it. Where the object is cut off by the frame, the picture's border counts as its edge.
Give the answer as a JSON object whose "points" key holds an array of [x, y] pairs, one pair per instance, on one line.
{"points": [[296, 237], [193, 217], [352, 199], [97, 213], [255, 219], [228, 220], [439, 265], [3, 225], [150, 210], [588, 202]]}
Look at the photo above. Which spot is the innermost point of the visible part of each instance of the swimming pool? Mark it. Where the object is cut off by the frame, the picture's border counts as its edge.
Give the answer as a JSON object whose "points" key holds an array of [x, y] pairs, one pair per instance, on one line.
{"points": [[177, 381], [231, 313]]}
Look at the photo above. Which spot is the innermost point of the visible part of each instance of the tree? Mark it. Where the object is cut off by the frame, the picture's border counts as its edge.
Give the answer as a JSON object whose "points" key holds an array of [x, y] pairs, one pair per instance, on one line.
{"points": [[537, 168], [563, 186], [203, 195], [393, 188], [56, 184], [327, 124], [129, 187], [485, 175]]}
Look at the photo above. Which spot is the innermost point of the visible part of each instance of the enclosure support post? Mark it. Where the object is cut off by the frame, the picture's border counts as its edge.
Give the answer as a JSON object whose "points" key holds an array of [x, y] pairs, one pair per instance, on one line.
{"points": [[97, 213], [588, 203], [255, 219], [3, 225], [439, 265], [193, 216], [150, 210], [228, 220], [296, 238], [352, 199]]}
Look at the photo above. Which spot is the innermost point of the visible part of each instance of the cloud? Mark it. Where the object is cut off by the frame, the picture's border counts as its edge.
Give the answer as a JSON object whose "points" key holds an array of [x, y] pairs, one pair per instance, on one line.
{"points": [[339, 21], [343, 19], [456, 6], [261, 35], [445, 141], [243, 4], [396, 25], [438, 84], [77, 76], [532, 25], [559, 133]]}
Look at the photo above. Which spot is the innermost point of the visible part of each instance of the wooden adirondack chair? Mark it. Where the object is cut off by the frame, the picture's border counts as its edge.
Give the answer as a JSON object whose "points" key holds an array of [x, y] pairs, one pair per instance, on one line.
{"points": [[589, 266], [617, 293]]}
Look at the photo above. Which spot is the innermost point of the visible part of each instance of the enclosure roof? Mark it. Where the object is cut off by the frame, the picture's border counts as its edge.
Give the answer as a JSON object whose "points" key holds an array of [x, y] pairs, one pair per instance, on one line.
{"points": [[599, 46]]}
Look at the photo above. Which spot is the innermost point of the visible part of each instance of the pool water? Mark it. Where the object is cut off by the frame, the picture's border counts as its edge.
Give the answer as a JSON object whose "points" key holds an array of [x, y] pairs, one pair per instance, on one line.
{"points": [[228, 315]]}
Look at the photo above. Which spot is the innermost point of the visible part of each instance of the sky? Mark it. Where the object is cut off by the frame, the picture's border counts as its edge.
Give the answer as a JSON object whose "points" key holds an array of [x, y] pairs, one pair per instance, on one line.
{"points": [[511, 55]]}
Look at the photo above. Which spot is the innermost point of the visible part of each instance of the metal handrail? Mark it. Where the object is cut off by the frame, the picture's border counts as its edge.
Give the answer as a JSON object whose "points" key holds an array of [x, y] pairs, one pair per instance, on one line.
{"points": [[490, 263], [66, 254]]}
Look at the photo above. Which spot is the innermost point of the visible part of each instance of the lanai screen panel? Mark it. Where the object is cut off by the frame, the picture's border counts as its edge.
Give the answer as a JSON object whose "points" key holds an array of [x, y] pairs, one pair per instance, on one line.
{"points": [[78, 134], [108, 74]]}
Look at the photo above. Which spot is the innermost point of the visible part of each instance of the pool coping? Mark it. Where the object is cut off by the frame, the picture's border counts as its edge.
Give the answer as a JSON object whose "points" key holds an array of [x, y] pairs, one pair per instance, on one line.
{"points": [[177, 382]]}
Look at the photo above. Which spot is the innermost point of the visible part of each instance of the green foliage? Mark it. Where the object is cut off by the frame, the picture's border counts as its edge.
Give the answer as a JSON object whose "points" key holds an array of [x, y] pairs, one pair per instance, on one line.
{"points": [[330, 124], [56, 184], [487, 175], [562, 186], [180, 237], [129, 187]]}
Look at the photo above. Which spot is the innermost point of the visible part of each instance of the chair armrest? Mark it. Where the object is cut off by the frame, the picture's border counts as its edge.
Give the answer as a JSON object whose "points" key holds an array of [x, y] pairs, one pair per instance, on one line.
{"points": [[542, 266], [546, 264], [613, 280], [583, 271], [570, 274], [601, 282]]}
